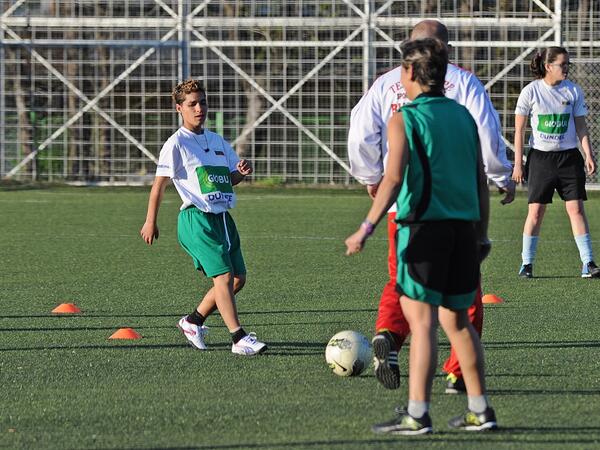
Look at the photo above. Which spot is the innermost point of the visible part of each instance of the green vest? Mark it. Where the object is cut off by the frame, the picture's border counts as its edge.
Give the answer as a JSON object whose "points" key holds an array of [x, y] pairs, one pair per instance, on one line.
{"points": [[440, 179]]}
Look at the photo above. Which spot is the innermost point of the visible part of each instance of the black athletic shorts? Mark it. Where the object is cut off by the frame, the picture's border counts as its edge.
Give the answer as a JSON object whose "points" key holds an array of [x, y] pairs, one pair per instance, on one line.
{"points": [[438, 262], [563, 171]]}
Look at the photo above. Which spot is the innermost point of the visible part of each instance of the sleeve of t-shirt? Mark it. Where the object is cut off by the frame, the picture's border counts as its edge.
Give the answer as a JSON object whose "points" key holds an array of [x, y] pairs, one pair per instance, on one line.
{"points": [[493, 151], [364, 138], [523, 107], [579, 108], [169, 160], [232, 156]]}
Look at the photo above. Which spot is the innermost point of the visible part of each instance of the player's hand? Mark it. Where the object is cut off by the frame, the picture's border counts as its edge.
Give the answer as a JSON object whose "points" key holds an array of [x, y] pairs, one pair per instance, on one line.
{"points": [[590, 166], [244, 167], [372, 190], [509, 192], [355, 242], [149, 232], [517, 174], [485, 247]]}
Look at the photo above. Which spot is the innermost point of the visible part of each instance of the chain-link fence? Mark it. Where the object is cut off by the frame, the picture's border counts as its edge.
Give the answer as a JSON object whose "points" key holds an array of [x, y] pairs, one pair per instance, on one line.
{"points": [[85, 85]]}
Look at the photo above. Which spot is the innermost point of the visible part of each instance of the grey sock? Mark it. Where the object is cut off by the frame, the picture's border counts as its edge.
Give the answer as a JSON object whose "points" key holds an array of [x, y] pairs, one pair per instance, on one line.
{"points": [[417, 409], [478, 403]]}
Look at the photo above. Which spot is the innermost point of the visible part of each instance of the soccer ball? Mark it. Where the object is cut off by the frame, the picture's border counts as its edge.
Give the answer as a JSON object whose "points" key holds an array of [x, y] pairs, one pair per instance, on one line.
{"points": [[348, 353]]}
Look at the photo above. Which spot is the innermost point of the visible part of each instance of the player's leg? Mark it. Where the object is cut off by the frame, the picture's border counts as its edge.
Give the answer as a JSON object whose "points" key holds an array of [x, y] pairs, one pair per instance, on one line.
{"points": [[466, 344], [389, 315], [422, 318], [571, 189], [580, 228], [415, 419], [422, 270], [455, 383], [208, 303], [243, 343], [531, 233], [462, 283], [465, 340], [391, 327], [542, 181]]}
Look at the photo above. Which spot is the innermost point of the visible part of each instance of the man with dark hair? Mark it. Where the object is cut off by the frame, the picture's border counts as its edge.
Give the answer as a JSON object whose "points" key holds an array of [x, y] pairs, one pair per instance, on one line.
{"points": [[367, 151]]}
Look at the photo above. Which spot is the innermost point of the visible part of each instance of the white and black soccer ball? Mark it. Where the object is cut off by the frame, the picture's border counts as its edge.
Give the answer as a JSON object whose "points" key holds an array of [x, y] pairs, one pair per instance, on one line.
{"points": [[348, 353]]}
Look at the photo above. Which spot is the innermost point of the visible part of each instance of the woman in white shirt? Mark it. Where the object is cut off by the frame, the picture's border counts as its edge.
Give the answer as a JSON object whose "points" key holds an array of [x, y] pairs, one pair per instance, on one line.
{"points": [[557, 110]]}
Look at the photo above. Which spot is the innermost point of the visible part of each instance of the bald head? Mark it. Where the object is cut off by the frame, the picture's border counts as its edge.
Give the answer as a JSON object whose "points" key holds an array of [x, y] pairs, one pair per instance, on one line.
{"points": [[430, 29]]}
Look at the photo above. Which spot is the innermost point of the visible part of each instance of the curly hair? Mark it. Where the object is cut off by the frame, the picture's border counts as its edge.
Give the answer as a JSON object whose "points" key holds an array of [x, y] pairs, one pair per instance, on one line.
{"points": [[186, 87], [543, 57], [429, 60]]}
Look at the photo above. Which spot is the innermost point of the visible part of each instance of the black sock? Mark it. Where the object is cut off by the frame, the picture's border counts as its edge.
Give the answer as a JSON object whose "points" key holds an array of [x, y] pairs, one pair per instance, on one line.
{"points": [[196, 318], [237, 335]]}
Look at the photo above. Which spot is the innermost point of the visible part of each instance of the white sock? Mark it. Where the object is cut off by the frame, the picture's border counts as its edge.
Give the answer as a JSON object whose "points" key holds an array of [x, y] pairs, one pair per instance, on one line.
{"points": [[417, 409], [478, 403]]}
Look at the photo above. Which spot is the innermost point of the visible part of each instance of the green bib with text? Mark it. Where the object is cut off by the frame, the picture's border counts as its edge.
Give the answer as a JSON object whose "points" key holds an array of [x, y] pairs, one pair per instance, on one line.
{"points": [[553, 123], [214, 179]]}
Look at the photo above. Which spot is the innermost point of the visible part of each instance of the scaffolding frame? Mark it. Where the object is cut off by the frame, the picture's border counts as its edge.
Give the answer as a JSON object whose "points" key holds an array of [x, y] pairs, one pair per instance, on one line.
{"points": [[184, 30]]}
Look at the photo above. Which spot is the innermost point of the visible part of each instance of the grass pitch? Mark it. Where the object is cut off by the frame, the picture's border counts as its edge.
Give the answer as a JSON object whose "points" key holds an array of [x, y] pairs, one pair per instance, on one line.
{"points": [[64, 385]]}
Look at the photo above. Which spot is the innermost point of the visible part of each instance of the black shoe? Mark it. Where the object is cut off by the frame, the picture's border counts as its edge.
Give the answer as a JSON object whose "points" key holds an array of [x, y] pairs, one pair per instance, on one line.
{"points": [[526, 271], [405, 424], [471, 421], [387, 371], [455, 385], [590, 270]]}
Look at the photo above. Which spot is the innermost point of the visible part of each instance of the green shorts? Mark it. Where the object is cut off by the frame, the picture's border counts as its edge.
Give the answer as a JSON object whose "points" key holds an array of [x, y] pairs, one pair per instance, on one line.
{"points": [[438, 263], [212, 241]]}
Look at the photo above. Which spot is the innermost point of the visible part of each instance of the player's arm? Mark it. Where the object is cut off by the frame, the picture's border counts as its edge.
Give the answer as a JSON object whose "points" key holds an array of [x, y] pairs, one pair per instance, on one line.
{"points": [[582, 133], [364, 141], [520, 124], [388, 188], [496, 164], [243, 169], [149, 230], [484, 208]]}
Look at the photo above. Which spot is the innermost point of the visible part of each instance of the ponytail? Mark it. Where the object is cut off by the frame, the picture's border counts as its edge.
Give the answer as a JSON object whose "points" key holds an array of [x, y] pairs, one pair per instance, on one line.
{"points": [[545, 56]]}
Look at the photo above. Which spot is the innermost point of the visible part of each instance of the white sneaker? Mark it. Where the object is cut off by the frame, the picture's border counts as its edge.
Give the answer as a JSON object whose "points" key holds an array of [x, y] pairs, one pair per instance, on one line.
{"points": [[248, 346], [194, 333]]}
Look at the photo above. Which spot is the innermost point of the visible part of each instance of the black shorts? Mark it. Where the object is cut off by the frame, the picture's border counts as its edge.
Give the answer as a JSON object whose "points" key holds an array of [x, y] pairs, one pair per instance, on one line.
{"points": [[438, 263], [563, 171]]}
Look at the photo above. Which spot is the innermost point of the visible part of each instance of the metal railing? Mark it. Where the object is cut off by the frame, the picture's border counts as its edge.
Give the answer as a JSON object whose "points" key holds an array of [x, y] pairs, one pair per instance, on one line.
{"points": [[85, 85]]}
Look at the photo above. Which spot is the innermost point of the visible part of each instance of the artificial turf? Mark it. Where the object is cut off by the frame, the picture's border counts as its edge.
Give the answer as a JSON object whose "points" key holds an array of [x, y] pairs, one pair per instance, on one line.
{"points": [[64, 385]]}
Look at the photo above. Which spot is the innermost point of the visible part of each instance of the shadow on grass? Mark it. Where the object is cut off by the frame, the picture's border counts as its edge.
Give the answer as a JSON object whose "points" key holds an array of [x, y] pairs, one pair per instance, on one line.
{"points": [[87, 328], [552, 277], [452, 438], [85, 314], [275, 348], [540, 344], [505, 392], [100, 314], [518, 375]]}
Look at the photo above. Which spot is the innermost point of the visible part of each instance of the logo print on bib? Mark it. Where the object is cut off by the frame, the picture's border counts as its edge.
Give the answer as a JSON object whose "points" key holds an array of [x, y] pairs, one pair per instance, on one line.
{"points": [[214, 179], [553, 123]]}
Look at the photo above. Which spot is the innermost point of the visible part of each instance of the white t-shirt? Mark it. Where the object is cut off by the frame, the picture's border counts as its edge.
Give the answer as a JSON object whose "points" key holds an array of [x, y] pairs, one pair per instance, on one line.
{"points": [[367, 138], [200, 166], [552, 110]]}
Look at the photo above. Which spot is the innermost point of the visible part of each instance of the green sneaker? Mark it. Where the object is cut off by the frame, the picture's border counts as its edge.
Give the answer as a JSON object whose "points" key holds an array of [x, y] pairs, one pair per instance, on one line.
{"points": [[405, 424], [471, 421], [455, 385]]}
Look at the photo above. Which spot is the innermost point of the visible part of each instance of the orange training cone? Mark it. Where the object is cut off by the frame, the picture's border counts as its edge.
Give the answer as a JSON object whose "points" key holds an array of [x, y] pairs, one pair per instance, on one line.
{"points": [[125, 333], [66, 308], [491, 298]]}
